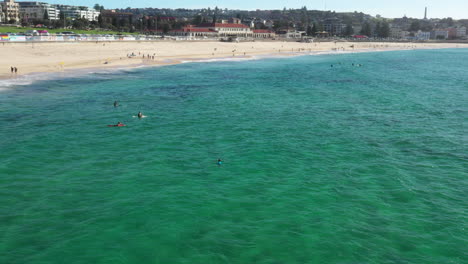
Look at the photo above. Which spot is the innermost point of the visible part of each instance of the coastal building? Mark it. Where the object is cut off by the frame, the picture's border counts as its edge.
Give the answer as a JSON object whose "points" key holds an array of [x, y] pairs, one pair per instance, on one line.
{"points": [[452, 33], [291, 33], [219, 30], [269, 24], [396, 33], [227, 29], [74, 12], [263, 33], [193, 32], [335, 29], [167, 19], [461, 32], [113, 17], [357, 28], [250, 22], [235, 20], [440, 34], [10, 10], [37, 10], [421, 35]]}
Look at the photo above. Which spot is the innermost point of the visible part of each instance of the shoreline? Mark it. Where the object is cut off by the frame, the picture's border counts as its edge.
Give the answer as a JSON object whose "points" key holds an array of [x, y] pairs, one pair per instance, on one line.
{"points": [[66, 58]]}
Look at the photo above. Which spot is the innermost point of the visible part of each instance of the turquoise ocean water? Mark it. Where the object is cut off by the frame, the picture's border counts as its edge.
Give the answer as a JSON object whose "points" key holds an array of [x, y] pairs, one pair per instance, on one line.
{"points": [[321, 164]]}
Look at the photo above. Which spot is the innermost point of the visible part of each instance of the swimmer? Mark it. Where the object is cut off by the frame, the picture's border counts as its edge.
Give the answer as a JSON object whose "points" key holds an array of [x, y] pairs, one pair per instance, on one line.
{"points": [[119, 124], [116, 104], [219, 162], [140, 115]]}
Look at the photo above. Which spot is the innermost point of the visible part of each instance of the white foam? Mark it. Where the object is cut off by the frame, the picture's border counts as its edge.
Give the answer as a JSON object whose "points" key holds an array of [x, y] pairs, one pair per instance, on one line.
{"points": [[240, 58], [23, 80], [28, 79]]}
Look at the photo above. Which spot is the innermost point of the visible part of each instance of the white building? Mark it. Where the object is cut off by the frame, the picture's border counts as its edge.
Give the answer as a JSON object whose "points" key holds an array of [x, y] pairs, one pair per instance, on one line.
{"points": [[440, 34], [335, 29], [263, 33], [38, 10], [290, 33], [420, 35], [10, 10], [396, 33], [227, 29], [269, 23], [74, 12], [461, 32]]}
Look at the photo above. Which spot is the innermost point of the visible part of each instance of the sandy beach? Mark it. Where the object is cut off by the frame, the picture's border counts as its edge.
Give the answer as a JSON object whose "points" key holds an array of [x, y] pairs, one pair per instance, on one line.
{"points": [[58, 57]]}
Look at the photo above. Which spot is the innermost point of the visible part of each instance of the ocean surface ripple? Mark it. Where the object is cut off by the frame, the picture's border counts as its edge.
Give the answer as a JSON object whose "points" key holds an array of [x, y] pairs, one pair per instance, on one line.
{"points": [[321, 164]]}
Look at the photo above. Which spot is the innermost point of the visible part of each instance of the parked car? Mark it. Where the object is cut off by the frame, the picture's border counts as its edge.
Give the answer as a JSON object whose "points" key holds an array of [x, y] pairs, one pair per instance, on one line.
{"points": [[32, 32]]}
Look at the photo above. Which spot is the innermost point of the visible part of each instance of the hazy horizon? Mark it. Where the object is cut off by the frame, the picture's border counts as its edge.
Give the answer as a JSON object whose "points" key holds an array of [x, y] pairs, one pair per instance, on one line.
{"points": [[457, 9]]}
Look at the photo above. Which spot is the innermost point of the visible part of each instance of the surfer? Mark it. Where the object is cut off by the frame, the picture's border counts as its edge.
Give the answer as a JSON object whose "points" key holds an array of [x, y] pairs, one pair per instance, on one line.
{"points": [[119, 124], [140, 115]]}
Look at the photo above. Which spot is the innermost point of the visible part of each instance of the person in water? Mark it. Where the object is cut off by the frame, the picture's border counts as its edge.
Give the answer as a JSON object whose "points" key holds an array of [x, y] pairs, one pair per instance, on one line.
{"points": [[140, 115], [219, 162], [119, 123], [116, 104]]}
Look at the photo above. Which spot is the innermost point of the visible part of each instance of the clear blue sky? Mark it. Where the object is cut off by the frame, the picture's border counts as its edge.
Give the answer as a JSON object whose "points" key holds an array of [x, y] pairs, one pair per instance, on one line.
{"points": [[387, 8]]}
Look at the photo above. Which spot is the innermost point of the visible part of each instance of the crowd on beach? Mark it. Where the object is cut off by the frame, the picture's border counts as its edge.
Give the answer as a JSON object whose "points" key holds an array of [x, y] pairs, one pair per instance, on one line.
{"points": [[144, 56]]}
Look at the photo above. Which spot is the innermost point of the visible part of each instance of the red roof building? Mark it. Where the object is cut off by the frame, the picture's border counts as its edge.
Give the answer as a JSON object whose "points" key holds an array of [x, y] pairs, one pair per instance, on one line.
{"points": [[222, 30], [222, 25], [191, 31]]}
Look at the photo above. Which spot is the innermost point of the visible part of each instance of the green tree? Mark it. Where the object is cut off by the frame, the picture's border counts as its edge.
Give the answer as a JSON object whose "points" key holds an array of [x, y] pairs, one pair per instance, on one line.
{"points": [[314, 29], [415, 26], [349, 31], [80, 23], [100, 21], [166, 28], [318, 27], [385, 30], [197, 20], [63, 19], [309, 30], [366, 29], [98, 7], [123, 23], [46, 15], [114, 22], [215, 14], [377, 31]]}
